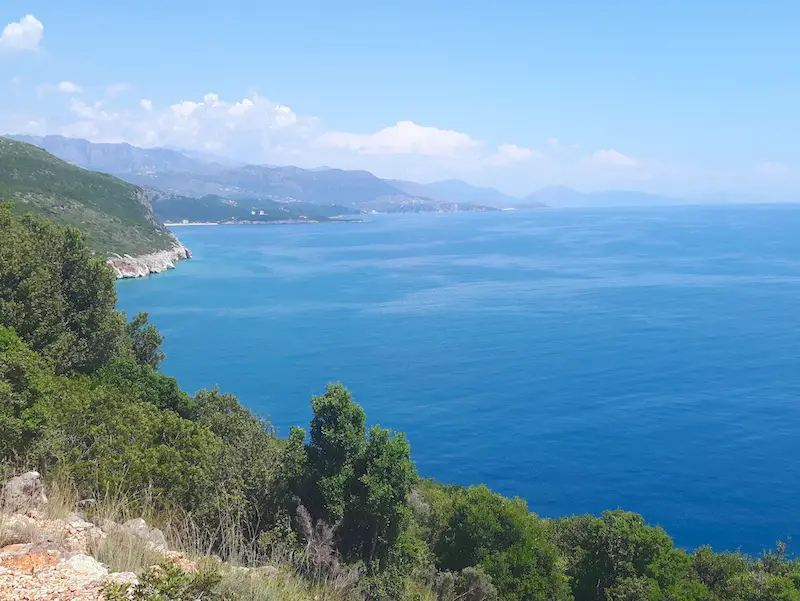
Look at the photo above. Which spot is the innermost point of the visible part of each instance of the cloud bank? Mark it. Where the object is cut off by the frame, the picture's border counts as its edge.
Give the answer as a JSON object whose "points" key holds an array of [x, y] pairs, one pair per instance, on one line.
{"points": [[23, 35]]}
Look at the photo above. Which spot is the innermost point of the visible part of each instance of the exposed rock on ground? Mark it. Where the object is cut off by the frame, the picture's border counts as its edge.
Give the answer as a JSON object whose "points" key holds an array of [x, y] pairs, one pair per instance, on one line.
{"points": [[48, 559], [23, 493], [51, 559]]}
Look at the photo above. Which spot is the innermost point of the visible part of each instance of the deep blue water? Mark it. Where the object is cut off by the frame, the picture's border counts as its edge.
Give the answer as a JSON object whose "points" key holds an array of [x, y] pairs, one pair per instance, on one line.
{"points": [[584, 360]]}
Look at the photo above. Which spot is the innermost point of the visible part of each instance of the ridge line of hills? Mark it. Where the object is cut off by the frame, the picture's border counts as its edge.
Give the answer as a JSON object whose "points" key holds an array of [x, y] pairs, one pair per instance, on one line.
{"points": [[116, 217], [192, 174]]}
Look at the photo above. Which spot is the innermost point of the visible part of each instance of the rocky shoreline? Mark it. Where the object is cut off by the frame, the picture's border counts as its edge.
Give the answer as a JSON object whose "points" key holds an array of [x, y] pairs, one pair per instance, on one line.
{"points": [[143, 265]]}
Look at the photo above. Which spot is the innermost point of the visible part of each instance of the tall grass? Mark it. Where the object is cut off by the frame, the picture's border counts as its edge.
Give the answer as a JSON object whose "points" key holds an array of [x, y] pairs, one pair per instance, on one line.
{"points": [[229, 545], [123, 552]]}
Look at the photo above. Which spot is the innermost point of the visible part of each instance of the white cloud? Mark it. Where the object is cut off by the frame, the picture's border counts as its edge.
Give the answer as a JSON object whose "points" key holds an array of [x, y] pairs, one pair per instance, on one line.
{"points": [[257, 130], [253, 129], [553, 141], [405, 137], [68, 87], [64, 87], [93, 112], [612, 158], [508, 154], [23, 35], [117, 88], [773, 169]]}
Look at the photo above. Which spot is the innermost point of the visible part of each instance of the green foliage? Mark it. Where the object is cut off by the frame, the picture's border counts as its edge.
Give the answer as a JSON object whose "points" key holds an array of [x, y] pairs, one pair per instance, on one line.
{"points": [[167, 582], [610, 555], [736, 577], [215, 209], [473, 584], [361, 483], [57, 297], [251, 458], [145, 341], [379, 510], [338, 439], [22, 380], [115, 216], [511, 544], [109, 441], [141, 382]]}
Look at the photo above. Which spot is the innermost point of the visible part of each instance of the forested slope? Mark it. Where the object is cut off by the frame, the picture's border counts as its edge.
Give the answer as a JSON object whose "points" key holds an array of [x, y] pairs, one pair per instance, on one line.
{"points": [[115, 217]]}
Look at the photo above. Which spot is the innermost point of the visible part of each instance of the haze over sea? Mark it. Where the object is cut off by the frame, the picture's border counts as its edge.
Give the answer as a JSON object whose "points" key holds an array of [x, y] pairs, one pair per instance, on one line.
{"points": [[585, 360]]}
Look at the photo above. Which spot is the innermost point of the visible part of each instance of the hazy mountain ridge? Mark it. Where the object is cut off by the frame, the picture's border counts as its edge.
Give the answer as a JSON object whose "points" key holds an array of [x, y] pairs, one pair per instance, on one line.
{"points": [[198, 174], [178, 173], [114, 158], [562, 196], [456, 190]]}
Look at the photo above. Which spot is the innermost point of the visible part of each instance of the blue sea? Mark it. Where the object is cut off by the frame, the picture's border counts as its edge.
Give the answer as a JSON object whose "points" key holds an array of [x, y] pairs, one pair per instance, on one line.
{"points": [[584, 360]]}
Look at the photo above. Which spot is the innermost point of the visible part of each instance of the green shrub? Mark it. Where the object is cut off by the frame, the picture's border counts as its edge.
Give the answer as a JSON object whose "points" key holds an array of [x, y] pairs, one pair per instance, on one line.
{"points": [[168, 582]]}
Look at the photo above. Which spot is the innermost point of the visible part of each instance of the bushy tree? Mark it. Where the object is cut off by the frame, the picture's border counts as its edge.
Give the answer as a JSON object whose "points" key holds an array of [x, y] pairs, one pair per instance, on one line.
{"points": [[511, 544], [56, 295], [618, 556], [360, 483], [110, 442], [145, 341], [338, 439], [23, 381], [143, 383], [380, 510]]}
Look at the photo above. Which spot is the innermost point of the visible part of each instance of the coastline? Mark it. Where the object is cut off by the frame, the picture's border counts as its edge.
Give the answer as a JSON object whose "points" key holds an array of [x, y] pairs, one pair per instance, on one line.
{"points": [[180, 223], [144, 265]]}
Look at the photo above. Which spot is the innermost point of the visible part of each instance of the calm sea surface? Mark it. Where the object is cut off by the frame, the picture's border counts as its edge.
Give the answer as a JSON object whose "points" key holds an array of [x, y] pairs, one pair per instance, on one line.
{"points": [[581, 359]]}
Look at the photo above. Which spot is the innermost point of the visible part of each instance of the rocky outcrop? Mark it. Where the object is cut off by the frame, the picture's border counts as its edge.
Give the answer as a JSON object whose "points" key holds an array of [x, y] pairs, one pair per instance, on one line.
{"points": [[23, 493], [49, 559], [152, 537], [43, 558], [143, 265]]}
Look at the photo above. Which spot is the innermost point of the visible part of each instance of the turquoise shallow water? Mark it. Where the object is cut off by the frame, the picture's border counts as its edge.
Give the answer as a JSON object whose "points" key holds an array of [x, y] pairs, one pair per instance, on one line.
{"points": [[584, 360]]}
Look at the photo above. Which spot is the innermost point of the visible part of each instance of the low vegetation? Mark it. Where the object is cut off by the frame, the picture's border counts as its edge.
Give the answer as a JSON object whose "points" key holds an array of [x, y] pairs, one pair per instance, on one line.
{"points": [[216, 209], [340, 507], [114, 216]]}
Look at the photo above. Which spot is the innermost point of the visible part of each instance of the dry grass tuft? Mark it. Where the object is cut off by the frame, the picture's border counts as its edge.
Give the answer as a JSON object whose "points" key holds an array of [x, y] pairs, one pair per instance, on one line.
{"points": [[123, 552], [257, 585], [320, 559]]}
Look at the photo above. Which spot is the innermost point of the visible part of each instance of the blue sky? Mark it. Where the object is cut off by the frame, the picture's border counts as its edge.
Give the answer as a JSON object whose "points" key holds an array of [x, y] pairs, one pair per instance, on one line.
{"points": [[690, 98]]}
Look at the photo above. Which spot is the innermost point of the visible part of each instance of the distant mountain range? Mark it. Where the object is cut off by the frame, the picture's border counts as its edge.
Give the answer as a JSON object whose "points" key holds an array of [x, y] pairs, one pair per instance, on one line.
{"points": [[194, 174], [177, 173], [456, 190], [561, 196]]}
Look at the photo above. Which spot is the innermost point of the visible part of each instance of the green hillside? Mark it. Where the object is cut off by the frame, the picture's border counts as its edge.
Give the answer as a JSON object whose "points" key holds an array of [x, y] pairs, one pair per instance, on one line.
{"points": [[116, 217], [174, 207]]}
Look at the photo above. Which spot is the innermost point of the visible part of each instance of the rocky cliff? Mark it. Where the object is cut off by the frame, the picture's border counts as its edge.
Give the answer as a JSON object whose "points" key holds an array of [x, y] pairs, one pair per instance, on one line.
{"points": [[136, 267]]}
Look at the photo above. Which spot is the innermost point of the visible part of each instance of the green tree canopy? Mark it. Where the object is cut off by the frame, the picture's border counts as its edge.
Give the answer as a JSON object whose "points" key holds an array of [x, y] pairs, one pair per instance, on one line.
{"points": [[57, 296], [511, 544]]}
